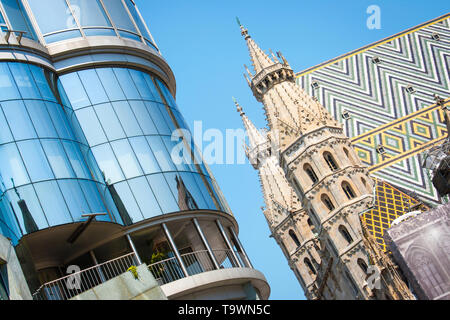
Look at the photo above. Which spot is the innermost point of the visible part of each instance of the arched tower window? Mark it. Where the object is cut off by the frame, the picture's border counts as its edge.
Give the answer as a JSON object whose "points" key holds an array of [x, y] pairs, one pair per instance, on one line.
{"points": [[363, 265], [347, 154], [364, 182], [348, 190], [327, 202], [309, 265], [344, 232], [294, 237], [330, 161], [310, 171]]}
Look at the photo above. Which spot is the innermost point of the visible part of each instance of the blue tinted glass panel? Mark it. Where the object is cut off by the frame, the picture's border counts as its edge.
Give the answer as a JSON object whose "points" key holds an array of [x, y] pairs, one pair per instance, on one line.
{"points": [[127, 118], [64, 35], [17, 117], [8, 89], [74, 90], [108, 163], [109, 121], [11, 166], [128, 200], [158, 118], [99, 32], [137, 19], [35, 216], [90, 13], [127, 83], [145, 155], [144, 197], [75, 199], [125, 34], [58, 159], [61, 18], [162, 193], [203, 189], [91, 126], [35, 160], [143, 117], [141, 85], [93, 197], [93, 86], [24, 81], [53, 203], [161, 154], [41, 119], [42, 83], [152, 87], [119, 15], [5, 133], [76, 159], [127, 159], [110, 83], [18, 17], [60, 121]]}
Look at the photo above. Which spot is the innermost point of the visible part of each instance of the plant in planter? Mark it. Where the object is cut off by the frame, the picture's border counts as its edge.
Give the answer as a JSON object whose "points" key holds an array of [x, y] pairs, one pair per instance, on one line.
{"points": [[133, 270]]}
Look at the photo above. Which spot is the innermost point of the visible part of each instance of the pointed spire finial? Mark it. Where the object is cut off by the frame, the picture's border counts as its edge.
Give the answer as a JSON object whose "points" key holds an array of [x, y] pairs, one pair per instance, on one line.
{"points": [[238, 107], [244, 31]]}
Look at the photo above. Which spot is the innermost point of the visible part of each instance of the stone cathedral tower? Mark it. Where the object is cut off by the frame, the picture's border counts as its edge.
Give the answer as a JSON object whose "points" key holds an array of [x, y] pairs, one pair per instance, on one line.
{"points": [[318, 225]]}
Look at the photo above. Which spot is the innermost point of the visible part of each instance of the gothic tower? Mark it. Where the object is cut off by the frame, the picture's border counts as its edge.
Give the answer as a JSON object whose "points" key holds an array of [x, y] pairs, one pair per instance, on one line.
{"points": [[332, 186], [288, 222]]}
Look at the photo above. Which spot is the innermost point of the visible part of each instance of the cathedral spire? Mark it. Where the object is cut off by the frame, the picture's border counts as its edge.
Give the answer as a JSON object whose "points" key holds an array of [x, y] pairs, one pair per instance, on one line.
{"points": [[255, 137], [260, 60], [278, 195]]}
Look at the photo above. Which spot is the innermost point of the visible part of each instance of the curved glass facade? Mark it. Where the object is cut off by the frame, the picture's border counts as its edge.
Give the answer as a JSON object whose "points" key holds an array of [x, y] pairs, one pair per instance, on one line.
{"points": [[44, 179], [15, 14], [85, 18], [128, 126]]}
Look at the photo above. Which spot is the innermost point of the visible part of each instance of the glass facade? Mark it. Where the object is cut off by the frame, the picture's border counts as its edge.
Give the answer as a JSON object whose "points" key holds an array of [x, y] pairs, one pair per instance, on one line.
{"points": [[128, 127], [44, 179], [18, 18], [85, 18]]}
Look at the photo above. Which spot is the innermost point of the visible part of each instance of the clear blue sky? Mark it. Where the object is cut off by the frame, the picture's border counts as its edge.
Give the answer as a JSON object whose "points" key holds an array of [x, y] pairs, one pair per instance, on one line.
{"points": [[202, 43]]}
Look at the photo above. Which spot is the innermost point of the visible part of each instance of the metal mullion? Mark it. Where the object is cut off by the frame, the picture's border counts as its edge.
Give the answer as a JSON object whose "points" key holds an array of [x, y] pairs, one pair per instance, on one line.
{"points": [[147, 29], [110, 19], [134, 22], [75, 18]]}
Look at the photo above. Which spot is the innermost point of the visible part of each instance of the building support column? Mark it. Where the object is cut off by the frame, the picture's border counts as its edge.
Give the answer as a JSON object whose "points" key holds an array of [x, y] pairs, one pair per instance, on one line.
{"points": [[130, 241], [175, 249], [241, 247], [205, 242], [99, 269], [227, 241]]}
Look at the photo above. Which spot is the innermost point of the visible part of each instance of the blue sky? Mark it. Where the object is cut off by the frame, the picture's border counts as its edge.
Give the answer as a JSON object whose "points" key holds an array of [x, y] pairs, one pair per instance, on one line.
{"points": [[202, 43]]}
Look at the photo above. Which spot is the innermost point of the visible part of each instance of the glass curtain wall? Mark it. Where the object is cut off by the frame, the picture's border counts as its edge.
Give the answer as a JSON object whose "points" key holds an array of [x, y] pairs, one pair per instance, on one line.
{"points": [[44, 179], [128, 128], [17, 17], [85, 18]]}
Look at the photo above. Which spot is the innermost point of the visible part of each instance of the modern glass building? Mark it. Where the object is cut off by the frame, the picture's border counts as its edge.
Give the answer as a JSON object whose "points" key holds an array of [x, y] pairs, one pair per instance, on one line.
{"points": [[88, 166]]}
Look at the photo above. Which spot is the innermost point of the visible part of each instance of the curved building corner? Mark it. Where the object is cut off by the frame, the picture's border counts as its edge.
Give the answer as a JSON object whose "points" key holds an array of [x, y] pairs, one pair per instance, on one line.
{"points": [[89, 186]]}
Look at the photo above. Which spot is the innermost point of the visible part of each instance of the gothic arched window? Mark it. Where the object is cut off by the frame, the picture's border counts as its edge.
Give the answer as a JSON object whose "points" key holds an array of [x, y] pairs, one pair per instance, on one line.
{"points": [[310, 171], [348, 190], [364, 182], [309, 265], [294, 237], [363, 265], [330, 161], [327, 202], [428, 273], [344, 232]]}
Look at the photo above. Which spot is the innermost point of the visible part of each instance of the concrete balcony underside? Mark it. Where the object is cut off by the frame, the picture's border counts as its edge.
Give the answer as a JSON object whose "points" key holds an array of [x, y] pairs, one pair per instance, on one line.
{"points": [[218, 284]]}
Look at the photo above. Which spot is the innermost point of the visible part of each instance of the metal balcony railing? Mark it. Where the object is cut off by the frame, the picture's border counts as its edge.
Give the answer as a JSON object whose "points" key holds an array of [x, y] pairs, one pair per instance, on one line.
{"points": [[169, 270], [76, 283]]}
